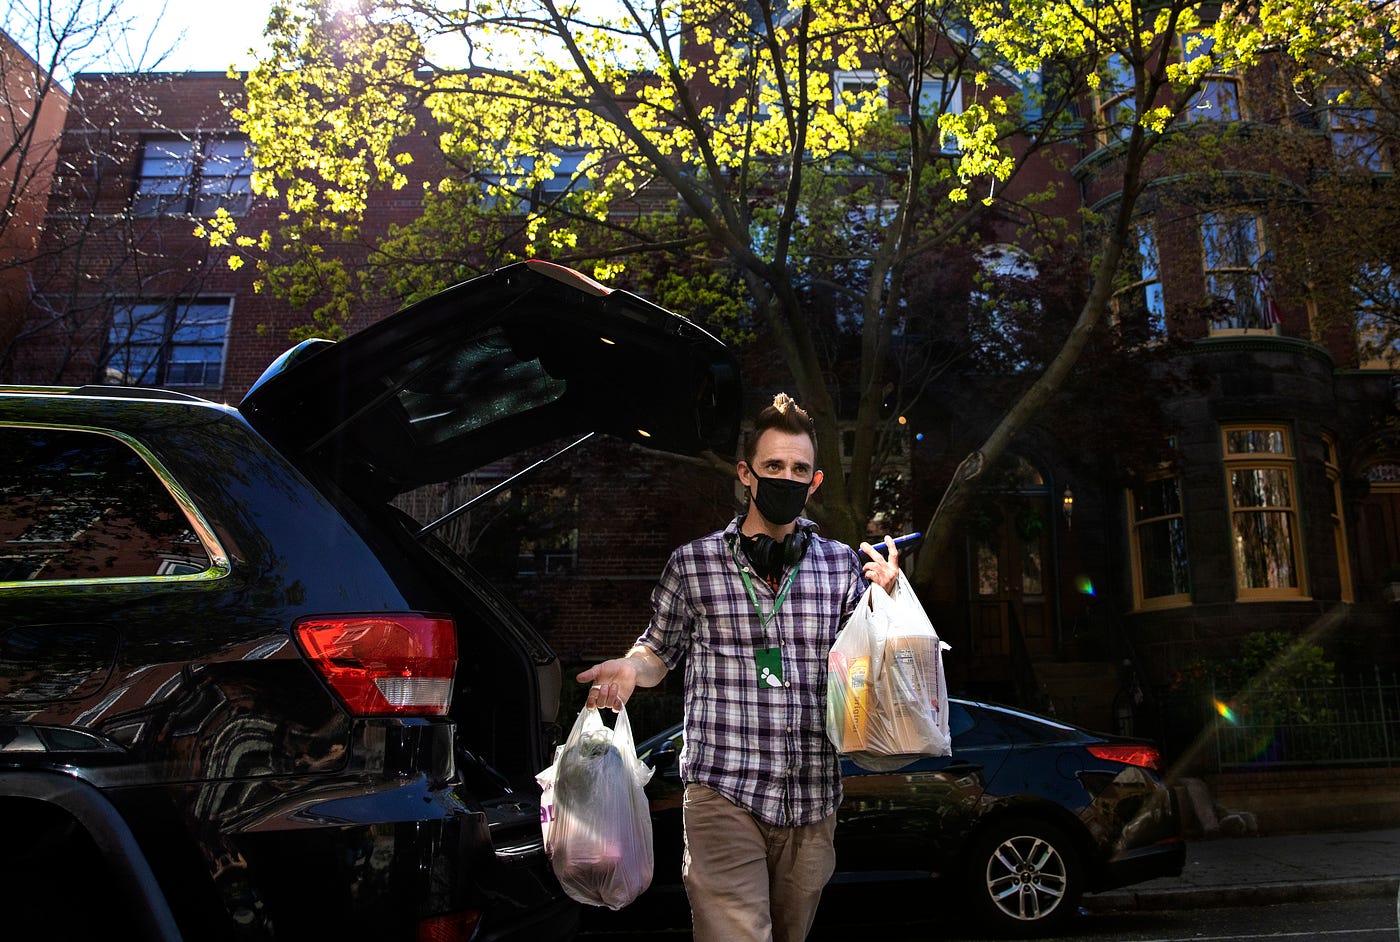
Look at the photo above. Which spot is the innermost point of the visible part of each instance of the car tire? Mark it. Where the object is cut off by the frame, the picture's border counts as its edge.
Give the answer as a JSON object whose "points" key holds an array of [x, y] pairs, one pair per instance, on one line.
{"points": [[1024, 877]]}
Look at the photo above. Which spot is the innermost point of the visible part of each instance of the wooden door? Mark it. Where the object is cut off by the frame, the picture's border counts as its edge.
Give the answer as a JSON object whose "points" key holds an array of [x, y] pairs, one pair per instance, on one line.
{"points": [[1010, 578]]}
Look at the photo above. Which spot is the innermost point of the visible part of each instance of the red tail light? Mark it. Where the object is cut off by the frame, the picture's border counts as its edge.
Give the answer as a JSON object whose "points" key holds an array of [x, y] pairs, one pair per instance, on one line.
{"points": [[1145, 756], [453, 927], [384, 665]]}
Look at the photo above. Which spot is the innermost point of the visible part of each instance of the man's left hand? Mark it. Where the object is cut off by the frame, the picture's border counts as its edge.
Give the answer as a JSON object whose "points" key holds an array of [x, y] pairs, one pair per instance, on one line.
{"points": [[882, 570]]}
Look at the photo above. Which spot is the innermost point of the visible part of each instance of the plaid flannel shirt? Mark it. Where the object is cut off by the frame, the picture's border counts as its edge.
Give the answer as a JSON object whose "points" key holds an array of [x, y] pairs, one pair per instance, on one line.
{"points": [[764, 748]]}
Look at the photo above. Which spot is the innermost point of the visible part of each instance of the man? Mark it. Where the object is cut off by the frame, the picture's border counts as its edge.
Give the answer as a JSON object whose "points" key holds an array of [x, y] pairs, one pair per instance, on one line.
{"points": [[754, 609]]}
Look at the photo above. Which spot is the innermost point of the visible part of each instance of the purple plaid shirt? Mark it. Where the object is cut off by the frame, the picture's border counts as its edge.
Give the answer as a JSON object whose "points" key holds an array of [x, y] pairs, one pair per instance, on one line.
{"points": [[764, 748]]}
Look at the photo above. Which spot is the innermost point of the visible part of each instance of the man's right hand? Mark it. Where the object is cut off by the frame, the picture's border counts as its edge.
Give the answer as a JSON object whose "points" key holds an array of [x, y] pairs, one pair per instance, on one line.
{"points": [[613, 681]]}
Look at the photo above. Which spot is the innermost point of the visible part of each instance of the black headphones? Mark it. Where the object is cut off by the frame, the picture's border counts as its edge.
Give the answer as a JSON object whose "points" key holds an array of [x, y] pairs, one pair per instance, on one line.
{"points": [[771, 557]]}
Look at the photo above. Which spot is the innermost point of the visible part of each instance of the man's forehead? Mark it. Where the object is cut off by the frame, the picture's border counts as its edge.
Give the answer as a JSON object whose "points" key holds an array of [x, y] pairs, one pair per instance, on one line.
{"points": [[775, 443]]}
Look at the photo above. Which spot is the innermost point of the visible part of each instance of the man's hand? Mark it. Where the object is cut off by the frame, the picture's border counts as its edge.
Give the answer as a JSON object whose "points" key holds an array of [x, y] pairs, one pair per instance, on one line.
{"points": [[881, 570], [613, 681]]}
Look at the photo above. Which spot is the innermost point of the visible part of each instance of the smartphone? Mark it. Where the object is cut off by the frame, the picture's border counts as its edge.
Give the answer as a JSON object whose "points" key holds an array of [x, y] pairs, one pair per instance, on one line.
{"points": [[901, 543]]}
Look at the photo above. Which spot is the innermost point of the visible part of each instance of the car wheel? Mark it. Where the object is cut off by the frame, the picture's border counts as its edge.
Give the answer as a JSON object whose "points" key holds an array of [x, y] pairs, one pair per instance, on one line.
{"points": [[1025, 877]]}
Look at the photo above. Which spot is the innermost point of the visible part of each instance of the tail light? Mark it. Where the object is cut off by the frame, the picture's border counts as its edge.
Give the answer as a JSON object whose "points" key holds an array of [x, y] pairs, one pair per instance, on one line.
{"points": [[452, 927], [384, 665], [1131, 754]]}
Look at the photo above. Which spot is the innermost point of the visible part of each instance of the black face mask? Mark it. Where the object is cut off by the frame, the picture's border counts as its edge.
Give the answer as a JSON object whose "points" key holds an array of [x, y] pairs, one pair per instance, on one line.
{"points": [[779, 499]]}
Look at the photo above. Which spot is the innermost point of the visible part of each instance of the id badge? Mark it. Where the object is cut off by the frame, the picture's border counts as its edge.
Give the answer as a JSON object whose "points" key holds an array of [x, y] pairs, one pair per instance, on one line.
{"points": [[768, 662]]}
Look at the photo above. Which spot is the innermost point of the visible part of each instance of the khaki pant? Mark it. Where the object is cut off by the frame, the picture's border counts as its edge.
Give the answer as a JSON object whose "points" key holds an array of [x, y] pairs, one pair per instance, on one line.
{"points": [[748, 881]]}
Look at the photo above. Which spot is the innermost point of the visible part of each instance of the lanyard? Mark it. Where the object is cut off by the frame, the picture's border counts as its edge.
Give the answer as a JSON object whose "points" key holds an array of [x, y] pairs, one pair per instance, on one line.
{"points": [[763, 620]]}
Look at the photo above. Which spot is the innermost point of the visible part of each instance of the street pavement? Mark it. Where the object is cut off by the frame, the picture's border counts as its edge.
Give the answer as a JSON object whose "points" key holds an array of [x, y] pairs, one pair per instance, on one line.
{"points": [[1264, 869]]}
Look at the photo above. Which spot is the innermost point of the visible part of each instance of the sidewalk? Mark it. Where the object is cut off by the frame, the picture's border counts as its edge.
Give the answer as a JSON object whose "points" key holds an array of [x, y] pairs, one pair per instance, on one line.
{"points": [[1255, 870]]}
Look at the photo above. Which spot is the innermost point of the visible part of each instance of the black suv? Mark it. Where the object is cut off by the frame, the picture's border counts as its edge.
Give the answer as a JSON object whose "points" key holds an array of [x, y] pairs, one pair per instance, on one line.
{"points": [[242, 695]]}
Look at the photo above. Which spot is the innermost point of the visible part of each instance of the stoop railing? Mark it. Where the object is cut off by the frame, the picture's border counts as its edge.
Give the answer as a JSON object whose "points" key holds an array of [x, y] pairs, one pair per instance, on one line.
{"points": [[1343, 723]]}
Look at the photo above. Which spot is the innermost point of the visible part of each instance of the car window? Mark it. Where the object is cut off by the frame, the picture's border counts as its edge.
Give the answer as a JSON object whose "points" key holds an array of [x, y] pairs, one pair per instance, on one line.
{"points": [[83, 505], [1025, 729], [970, 727]]}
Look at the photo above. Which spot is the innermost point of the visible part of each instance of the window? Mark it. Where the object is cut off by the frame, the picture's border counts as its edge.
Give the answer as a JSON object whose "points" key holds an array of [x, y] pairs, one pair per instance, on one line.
{"points": [[1139, 308], [1115, 103], [1219, 97], [181, 176], [1338, 517], [1235, 274], [566, 177], [1356, 139], [854, 89], [937, 95], [1002, 302], [1376, 294], [84, 505], [1259, 474], [1161, 577], [167, 343]]}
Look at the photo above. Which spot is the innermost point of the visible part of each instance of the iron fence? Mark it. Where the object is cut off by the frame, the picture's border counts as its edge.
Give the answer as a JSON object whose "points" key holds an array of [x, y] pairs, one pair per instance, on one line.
{"points": [[1348, 722]]}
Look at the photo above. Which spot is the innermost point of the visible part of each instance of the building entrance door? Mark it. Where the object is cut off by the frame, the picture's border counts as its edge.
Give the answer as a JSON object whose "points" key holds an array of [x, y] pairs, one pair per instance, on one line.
{"points": [[1011, 589], [1378, 540]]}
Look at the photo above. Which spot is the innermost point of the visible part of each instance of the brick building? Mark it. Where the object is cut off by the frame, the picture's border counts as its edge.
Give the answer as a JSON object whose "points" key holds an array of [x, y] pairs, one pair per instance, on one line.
{"points": [[31, 122], [1278, 509]]}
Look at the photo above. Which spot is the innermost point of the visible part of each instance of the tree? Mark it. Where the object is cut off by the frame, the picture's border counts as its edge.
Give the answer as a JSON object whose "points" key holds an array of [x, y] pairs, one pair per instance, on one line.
{"points": [[785, 169], [49, 282]]}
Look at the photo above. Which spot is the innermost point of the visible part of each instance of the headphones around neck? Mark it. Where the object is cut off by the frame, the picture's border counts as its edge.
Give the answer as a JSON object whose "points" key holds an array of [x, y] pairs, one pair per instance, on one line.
{"points": [[769, 556]]}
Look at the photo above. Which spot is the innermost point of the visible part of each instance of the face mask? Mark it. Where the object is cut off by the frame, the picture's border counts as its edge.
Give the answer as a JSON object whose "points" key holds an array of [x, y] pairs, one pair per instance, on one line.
{"points": [[779, 499]]}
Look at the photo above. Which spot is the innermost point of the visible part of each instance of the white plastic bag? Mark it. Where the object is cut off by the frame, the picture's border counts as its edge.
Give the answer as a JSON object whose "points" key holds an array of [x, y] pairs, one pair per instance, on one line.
{"points": [[887, 697], [594, 813]]}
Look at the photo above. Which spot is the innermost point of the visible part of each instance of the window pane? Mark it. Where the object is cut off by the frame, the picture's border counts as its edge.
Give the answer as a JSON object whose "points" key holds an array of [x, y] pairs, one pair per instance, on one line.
{"points": [[1231, 240], [1160, 498], [1218, 100], [566, 174], [1255, 441], [167, 171], [150, 344], [78, 505], [1259, 487], [988, 570], [1264, 550], [1032, 577], [1162, 550], [1238, 293]]}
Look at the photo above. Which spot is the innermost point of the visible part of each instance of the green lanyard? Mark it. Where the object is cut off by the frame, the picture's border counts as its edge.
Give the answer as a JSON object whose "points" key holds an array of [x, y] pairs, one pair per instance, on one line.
{"points": [[763, 620]]}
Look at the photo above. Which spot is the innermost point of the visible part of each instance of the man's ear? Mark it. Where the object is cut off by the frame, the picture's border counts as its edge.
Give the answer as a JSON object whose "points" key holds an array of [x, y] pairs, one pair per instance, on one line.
{"points": [[816, 482], [745, 473]]}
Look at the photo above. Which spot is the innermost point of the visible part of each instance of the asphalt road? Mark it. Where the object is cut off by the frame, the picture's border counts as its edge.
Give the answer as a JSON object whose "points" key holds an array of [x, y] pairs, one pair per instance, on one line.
{"points": [[1355, 920]]}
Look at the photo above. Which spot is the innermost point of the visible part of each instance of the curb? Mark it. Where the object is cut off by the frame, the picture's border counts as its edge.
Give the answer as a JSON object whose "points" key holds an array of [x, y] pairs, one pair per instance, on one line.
{"points": [[1253, 894]]}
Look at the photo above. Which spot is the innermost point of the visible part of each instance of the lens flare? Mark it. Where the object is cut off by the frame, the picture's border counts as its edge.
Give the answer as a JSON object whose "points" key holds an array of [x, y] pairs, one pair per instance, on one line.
{"points": [[1225, 712], [1084, 585]]}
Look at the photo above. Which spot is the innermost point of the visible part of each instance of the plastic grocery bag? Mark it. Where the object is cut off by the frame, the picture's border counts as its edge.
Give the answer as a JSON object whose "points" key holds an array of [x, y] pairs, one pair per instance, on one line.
{"points": [[887, 697], [594, 813]]}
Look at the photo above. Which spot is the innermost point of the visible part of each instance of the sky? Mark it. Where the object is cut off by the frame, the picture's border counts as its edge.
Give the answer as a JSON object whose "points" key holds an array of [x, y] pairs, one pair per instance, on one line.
{"points": [[215, 35], [194, 35]]}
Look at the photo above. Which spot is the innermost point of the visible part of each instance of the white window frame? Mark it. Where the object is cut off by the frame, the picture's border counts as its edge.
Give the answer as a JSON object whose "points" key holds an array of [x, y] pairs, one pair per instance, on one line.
{"points": [[948, 100], [856, 81]]}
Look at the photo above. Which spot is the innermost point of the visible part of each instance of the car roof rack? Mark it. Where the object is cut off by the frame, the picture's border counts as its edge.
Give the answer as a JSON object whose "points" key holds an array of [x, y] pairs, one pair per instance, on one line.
{"points": [[133, 392]]}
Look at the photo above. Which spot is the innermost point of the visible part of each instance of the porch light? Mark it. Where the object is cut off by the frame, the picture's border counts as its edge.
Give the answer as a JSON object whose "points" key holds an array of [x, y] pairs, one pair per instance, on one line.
{"points": [[1067, 502]]}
